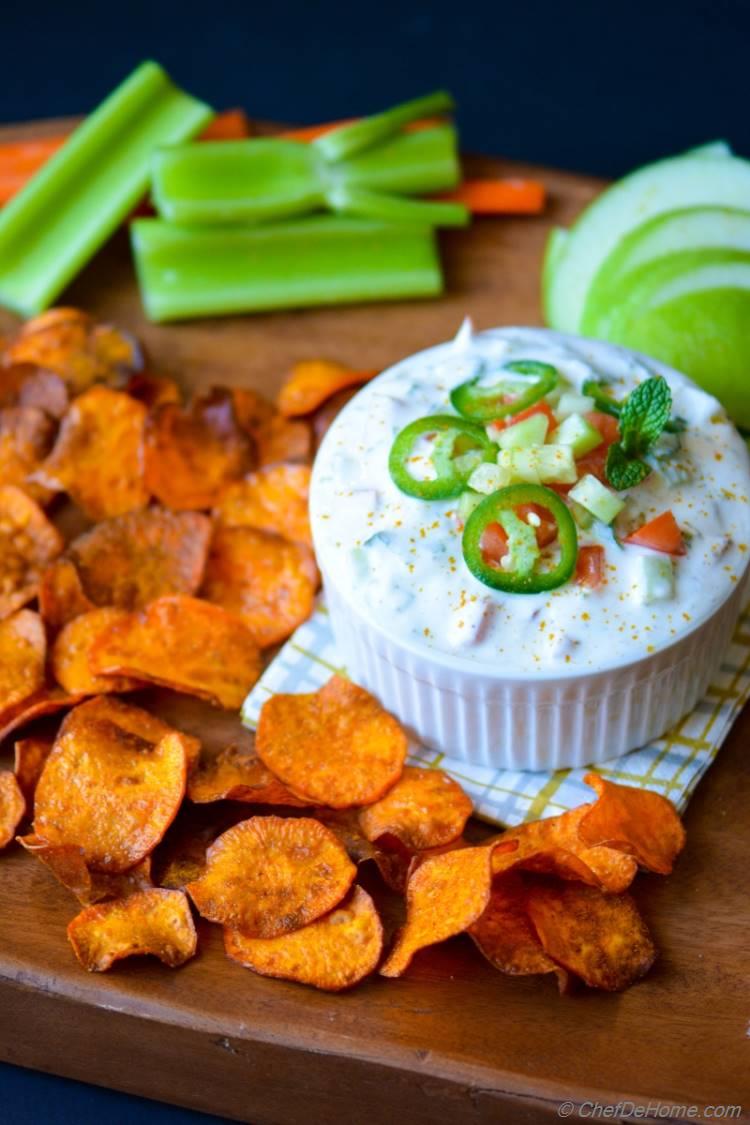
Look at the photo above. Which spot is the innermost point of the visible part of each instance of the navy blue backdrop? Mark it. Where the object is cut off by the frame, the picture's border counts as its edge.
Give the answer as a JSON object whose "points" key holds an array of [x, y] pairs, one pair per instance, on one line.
{"points": [[589, 85]]}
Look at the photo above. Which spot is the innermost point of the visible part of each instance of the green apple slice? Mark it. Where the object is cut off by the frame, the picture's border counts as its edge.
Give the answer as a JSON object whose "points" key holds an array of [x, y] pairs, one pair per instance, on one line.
{"points": [[672, 184], [693, 229]]}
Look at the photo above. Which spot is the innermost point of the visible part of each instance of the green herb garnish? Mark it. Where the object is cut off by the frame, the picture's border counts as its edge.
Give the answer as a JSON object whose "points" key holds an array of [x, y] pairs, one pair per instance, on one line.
{"points": [[643, 417]]}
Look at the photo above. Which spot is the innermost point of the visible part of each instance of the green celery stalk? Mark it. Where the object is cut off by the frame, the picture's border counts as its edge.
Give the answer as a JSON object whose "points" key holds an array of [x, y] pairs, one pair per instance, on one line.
{"points": [[259, 180], [73, 204], [212, 271], [350, 139], [395, 209]]}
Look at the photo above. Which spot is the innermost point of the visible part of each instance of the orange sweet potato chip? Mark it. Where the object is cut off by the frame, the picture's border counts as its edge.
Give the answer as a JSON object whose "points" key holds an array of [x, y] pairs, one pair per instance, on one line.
{"points": [[27, 385], [505, 936], [70, 655], [313, 381], [554, 846], [270, 875], [599, 937], [344, 823], [45, 701], [132, 560], [69, 343], [155, 921], [276, 438], [636, 821], [12, 807], [26, 436], [237, 774], [333, 953], [336, 746], [444, 896], [191, 454], [152, 390], [67, 863], [112, 784], [267, 582], [23, 650], [424, 809], [98, 455], [30, 754], [273, 499], [61, 595], [184, 644], [28, 542]]}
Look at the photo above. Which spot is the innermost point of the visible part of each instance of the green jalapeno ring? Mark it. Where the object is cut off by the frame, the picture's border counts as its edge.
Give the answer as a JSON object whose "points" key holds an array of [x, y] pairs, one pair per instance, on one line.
{"points": [[490, 511], [484, 405], [451, 480]]}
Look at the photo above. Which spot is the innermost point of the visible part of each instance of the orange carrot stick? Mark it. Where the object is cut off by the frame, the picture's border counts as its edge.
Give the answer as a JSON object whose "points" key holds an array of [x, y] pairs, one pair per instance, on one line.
{"points": [[231, 125], [499, 197]]}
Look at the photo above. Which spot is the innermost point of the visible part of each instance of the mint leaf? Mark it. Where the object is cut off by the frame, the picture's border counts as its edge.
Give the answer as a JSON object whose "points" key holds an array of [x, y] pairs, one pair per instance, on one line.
{"points": [[623, 471], [644, 415]]}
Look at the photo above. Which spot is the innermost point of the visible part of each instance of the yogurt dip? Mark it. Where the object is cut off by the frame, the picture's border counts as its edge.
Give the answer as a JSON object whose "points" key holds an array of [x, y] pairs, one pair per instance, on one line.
{"points": [[399, 559]]}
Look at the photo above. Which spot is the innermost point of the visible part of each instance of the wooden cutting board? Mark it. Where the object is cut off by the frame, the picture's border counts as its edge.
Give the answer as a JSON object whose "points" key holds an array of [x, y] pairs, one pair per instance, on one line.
{"points": [[453, 1040]]}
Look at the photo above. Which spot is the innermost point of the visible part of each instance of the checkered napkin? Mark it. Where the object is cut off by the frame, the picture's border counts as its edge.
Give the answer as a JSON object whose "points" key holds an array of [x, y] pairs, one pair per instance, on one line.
{"points": [[673, 765]]}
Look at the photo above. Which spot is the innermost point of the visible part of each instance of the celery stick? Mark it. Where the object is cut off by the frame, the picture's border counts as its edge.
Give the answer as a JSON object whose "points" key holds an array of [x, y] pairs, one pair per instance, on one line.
{"points": [[211, 271], [410, 163], [349, 139], [393, 208], [71, 206]]}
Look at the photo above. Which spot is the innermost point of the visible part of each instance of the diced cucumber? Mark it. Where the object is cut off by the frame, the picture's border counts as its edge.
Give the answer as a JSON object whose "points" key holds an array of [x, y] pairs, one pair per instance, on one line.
{"points": [[523, 550], [465, 462], [538, 464], [520, 465], [467, 502], [654, 579], [530, 431], [573, 403], [582, 516], [596, 498], [578, 434], [488, 478]]}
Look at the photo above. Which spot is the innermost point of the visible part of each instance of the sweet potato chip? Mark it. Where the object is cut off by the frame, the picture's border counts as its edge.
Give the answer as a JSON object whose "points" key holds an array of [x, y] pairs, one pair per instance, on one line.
{"points": [[156, 922], [67, 863], [70, 655], [313, 381], [23, 650], [98, 456], [554, 846], [152, 390], [30, 754], [267, 582], [69, 343], [424, 809], [336, 746], [237, 774], [445, 895], [191, 454], [61, 595], [28, 542], [28, 385], [12, 807], [505, 936], [112, 784], [184, 644], [276, 438], [333, 953], [344, 823], [268, 876], [26, 436], [636, 821], [273, 499], [46, 701], [132, 560], [599, 937]]}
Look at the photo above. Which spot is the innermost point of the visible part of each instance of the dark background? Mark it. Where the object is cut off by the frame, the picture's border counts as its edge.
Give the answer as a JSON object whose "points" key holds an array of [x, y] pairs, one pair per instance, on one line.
{"points": [[591, 86]]}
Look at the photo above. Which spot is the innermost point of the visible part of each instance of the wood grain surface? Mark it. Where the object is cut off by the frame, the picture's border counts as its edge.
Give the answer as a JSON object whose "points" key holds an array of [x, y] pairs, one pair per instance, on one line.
{"points": [[453, 1040]]}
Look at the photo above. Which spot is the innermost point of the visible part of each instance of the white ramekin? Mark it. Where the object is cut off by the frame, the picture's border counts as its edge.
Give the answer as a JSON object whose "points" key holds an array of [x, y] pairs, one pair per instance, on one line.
{"points": [[540, 721]]}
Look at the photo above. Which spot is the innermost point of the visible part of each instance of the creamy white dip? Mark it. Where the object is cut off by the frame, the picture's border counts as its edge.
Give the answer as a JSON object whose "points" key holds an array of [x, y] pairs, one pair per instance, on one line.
{"points": [[399, 560]]}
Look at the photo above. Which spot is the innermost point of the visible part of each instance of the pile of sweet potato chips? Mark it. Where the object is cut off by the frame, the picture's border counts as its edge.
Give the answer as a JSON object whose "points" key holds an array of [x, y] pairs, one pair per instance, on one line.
{"points": [[192, 554]]}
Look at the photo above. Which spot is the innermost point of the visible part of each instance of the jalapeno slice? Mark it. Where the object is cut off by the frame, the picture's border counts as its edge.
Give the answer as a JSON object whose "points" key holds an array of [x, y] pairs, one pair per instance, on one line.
{"points": [[521, 576], [486, 404], [458, 447]]}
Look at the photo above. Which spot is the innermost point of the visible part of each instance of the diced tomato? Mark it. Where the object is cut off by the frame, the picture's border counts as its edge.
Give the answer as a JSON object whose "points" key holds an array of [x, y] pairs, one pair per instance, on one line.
{"points": [[593, 463], [590, 567], [546, 532], [540, 407], [660, 534], [605, 424], [494, 544]]}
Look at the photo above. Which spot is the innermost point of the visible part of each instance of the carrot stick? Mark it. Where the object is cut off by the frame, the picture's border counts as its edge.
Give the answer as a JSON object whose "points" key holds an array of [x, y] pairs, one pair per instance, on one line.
{"points": [[20, 160], [499, 197]]}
